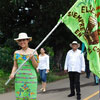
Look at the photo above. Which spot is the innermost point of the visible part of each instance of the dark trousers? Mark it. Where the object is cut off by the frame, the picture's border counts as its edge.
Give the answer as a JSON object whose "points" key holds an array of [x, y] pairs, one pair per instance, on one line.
{"points": [[74, 78], [87, 70]]}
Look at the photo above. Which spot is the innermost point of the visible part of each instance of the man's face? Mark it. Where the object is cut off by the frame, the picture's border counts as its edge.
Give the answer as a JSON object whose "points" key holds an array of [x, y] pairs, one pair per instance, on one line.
{"points": [[74, 46]]}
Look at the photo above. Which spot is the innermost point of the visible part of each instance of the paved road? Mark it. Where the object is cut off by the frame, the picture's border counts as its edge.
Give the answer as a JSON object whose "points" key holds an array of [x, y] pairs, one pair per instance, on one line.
{"points": [[60, 89]]}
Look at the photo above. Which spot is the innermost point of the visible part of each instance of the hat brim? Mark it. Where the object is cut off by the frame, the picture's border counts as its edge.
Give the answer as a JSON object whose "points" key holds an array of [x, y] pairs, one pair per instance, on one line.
{"points": [[74, 43], [17, 39]]}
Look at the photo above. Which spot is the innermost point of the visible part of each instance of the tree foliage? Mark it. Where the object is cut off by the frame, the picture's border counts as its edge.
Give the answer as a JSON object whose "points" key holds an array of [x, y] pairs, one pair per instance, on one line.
{"points": [[37, 18]]}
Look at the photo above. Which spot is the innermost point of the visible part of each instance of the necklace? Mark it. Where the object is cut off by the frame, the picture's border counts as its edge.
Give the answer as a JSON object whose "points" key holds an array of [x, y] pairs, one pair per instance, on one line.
{"points": [[25, 50]]}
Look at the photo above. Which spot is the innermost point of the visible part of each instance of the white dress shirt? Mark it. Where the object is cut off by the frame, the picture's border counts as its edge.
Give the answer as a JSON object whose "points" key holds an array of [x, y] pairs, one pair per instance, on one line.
{"points": [[43, 62], [74, 61]]}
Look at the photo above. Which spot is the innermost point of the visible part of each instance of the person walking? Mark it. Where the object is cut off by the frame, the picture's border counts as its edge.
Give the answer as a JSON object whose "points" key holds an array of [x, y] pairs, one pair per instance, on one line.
{"points": [[87, 69], [26, 77], [96, 79], [74, 65], [43, 68]]}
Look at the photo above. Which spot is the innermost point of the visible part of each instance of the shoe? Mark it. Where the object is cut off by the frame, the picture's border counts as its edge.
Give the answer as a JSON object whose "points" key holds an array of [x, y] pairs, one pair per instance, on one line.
{"points": [[78, 97], [96, 83], [87, 77], [41, 89], [44, 90], [70, 95]]}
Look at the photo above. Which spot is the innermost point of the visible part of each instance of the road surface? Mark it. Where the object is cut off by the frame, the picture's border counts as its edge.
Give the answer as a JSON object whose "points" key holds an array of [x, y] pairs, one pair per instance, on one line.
{"points": [[60, 89]]}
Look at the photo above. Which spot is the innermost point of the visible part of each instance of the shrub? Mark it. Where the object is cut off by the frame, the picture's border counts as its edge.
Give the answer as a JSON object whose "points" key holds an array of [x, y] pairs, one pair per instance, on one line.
{"points": [[6, 58]]}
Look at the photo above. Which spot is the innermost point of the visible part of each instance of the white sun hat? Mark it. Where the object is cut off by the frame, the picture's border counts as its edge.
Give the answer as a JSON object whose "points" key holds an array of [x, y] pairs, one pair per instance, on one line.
{"points": [[74, 42], [23, 36]]}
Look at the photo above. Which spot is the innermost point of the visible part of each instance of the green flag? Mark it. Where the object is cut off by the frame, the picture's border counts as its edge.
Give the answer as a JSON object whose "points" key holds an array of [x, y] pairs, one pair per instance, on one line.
{"points": [[82, 20], [98, 14]]}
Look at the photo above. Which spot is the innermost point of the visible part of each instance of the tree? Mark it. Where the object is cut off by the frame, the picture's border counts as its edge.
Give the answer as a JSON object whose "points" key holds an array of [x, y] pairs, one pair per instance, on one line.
{"points": [[37, 18], [50, 12]]}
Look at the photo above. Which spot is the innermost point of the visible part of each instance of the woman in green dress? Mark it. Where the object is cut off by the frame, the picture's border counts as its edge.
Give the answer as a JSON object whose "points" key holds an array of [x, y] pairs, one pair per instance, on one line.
{"points": [[26, 77]]}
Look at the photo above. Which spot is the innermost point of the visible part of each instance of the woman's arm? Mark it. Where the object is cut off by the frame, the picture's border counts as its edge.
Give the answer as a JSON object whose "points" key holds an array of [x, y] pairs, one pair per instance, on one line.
{"points": [[13, 69], [47, 60], [32, 58], [34, 62]]}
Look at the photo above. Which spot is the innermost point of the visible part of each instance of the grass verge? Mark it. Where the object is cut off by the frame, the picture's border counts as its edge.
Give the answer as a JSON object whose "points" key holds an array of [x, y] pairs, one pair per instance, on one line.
{"points": [[54, 76], [51, 77], [3, 78]]}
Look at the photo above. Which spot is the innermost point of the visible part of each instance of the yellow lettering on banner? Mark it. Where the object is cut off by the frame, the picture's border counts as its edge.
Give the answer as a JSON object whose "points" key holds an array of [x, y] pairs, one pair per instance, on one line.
{"points": [[78, 33], [95, 48], [69, 13], [79, 18], [82, 24], [86, 9], [89, 50], [75, 15], [82, 29], [98, 50], [83, 9]]}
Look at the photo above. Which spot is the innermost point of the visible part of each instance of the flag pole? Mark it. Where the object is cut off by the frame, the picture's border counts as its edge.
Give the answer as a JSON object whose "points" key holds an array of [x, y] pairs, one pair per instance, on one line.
{"points": [[36, 49]]}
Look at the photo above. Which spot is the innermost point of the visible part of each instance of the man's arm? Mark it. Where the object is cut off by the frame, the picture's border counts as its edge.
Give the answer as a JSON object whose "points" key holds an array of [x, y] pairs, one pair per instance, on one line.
{"points": [[66, 63], [82, 63]]}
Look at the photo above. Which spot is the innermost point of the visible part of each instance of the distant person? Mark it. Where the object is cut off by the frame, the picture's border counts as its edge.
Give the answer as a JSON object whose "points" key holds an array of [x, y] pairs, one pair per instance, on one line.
{"points": [[26, 77], [87, 69], [96, 79], [43, 68], [74, 65]]}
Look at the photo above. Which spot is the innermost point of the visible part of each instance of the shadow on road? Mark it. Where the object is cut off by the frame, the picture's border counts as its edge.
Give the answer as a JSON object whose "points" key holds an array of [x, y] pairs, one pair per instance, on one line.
{"points": [[65, 89]]}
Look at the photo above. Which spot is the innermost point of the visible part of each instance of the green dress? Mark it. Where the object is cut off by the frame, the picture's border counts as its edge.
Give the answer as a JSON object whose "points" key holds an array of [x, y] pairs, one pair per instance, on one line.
{"points": [[25, 79]]}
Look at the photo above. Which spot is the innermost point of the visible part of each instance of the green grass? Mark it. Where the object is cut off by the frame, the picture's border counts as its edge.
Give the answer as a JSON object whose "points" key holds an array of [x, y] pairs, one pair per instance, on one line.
{"points": [[51, 77], [54, 76], [3, 78]]}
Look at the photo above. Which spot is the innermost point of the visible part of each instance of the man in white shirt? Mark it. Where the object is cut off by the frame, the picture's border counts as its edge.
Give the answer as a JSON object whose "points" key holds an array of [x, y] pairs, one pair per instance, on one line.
{"points": [[74, 65]]}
